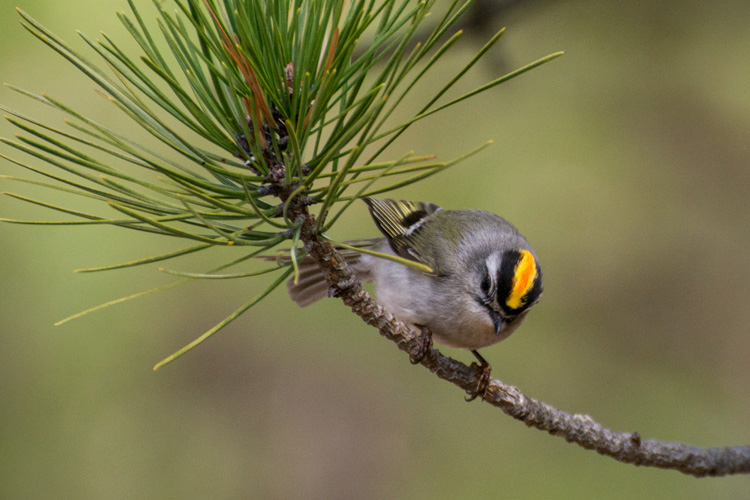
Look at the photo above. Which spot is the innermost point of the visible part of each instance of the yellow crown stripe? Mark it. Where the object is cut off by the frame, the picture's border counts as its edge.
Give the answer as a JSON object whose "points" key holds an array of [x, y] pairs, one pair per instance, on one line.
{"points": [[523, 279]]}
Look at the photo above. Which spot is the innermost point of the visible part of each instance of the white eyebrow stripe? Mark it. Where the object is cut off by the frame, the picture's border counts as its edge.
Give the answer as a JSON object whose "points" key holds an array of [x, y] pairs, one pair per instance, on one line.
{"points": [[493, 266]]}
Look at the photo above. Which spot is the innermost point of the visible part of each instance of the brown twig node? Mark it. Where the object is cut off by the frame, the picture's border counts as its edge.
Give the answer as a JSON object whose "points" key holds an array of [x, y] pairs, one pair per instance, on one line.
{"points": [[580, 429]]}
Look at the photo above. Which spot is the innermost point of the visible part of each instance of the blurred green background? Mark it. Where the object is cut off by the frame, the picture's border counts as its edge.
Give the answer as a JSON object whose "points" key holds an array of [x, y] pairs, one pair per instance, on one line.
{"points": [[626, 163]]}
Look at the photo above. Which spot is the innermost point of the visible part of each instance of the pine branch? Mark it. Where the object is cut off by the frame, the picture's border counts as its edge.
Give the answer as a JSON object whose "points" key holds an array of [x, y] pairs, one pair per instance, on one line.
{"points": [[626, 447]]}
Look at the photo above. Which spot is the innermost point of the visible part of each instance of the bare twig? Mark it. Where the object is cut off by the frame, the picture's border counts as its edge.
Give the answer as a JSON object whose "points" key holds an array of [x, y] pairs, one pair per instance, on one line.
{"points": [[579, 429]]}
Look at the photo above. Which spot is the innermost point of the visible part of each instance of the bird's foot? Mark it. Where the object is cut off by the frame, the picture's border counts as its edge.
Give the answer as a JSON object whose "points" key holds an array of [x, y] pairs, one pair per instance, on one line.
{"points": [[483, 383]]}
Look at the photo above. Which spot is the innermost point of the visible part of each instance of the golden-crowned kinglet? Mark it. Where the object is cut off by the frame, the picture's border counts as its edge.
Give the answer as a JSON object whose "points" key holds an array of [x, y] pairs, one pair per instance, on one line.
{"points": [[484, 278]]}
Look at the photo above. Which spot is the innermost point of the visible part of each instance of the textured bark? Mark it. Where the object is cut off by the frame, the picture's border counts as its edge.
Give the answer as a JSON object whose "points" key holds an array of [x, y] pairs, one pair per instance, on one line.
{"points": [[579, 429]]}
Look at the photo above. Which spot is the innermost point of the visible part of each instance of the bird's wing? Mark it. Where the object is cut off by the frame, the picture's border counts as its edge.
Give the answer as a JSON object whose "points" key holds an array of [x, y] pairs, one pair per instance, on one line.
{"points": [[401, 222]]}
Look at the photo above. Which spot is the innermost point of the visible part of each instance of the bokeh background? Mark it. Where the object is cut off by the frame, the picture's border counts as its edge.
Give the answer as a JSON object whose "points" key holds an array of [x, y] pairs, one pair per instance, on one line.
{"points": [[626, 163]]}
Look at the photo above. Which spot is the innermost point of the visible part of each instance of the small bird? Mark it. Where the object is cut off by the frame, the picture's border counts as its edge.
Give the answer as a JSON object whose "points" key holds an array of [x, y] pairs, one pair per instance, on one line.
{"points": [[484, 274]]}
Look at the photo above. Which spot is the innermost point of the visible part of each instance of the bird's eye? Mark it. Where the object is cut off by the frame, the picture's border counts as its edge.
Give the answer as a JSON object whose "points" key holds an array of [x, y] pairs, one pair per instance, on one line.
{"points": [[486, 285]]}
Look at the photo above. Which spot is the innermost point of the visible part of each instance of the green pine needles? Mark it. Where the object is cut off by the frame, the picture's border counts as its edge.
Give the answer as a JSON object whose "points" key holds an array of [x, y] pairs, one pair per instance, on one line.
{"points": [[269, 111]]}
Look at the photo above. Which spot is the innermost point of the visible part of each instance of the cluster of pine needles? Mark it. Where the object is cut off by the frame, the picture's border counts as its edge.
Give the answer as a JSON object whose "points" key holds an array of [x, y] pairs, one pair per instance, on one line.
{"points": [[252, 108]]}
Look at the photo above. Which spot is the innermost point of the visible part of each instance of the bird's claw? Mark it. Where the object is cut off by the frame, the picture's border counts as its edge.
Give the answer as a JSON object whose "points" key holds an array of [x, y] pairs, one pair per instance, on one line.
{"points": [[484, 369]]}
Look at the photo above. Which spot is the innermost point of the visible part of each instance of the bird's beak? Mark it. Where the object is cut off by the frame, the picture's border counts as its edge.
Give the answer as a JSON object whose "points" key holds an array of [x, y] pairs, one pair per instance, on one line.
{"points": [[497, 320]]}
